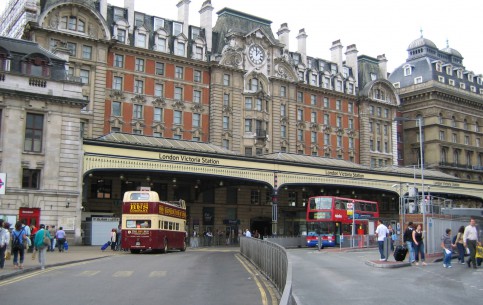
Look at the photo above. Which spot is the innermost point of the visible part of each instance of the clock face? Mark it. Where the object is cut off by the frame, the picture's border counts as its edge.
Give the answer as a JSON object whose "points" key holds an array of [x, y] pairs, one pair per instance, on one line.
{"points": [[256, 54]]}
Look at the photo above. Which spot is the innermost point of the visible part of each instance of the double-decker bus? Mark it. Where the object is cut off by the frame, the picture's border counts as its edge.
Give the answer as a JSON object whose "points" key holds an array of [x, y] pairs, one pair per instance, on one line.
{"points": [[330, 217], [151, 224]]}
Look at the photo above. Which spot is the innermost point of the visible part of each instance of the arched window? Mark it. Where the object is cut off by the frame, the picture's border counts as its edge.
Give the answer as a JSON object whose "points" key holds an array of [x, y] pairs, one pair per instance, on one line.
{"points": [[72, 23], [443, 156], [465, 124], [456, 157], [453, 121], [254, 84]]}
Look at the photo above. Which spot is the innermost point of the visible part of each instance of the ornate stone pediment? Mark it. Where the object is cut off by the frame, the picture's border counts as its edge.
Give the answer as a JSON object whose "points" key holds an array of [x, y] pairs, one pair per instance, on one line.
{"points": [[227, 134], [178, 104], [227, 110], [314, 126], [339, 130], [326, 128], [138, 98], [138, 124], [116, 95], [301, 125], [159, 101], [350, 132], [232, 56], [197, 107], [284, 120], [158, 126]]}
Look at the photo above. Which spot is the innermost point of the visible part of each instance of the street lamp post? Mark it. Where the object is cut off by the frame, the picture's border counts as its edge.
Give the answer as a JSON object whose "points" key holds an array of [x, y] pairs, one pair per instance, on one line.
{"points": [[420, 123]]}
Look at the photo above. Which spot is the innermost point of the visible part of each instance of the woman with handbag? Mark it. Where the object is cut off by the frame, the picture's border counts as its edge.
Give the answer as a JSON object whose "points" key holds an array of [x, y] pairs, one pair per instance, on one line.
{"points": [[42, 243]]}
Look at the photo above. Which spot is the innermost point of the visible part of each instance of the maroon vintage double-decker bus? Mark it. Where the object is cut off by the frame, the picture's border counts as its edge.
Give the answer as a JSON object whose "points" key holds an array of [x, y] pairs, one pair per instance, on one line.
{"points": [[151, 224]]}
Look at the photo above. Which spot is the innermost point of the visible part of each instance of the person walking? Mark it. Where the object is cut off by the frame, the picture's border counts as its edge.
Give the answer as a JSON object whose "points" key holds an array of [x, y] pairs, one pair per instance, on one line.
{"points": [[60, 236], [3, 244], [39, 243], [470, 240], [381, 234], [51, 230], [447, 248], [418, 245], [408, 239], [18, 248], [460, 246]]}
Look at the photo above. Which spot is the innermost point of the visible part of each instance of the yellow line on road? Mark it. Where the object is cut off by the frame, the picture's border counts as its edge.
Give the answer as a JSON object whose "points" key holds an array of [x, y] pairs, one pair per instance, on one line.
{"points": [[259, 285]]}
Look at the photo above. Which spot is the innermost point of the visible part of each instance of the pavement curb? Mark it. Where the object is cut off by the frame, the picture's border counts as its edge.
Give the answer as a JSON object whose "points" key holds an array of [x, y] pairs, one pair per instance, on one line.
{"points": [[386, 264], [34, 268]]}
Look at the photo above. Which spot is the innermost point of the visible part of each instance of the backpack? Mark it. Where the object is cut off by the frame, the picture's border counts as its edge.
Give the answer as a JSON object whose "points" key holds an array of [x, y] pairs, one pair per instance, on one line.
{"points": [[17, 243]]}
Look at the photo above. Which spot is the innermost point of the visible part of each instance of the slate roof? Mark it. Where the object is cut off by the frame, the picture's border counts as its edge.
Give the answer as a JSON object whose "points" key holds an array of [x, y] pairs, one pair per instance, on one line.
{"points": [[25, 47]]}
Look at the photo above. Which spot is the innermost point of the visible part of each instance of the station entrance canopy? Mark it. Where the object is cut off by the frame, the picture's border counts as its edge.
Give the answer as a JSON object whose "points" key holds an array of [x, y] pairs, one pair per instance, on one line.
{"points": [[118, 151]]}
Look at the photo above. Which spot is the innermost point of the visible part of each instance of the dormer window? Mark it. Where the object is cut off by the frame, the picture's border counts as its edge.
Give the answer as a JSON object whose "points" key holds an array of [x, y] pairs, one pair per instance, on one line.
{"points": [[177, 28], [195, 33], [138, 19], [439, 67], [407, 70], [121, 35], [338, 85], [179, 50], [462, 85], [118, 13], [321, 66], [345, 72], [449, 70], [158, 23], [296, 59], [470, 77], [459, 73], [333, 69], [140, 40]]}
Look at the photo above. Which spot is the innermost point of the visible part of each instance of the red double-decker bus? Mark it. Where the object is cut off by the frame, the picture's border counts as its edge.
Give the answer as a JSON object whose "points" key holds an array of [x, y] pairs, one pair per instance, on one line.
{"points": [[151, 224], [330, 217]]}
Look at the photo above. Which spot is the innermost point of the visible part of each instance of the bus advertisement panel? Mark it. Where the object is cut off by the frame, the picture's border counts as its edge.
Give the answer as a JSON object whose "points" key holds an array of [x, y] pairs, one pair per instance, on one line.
{"points": [[330, 217], [151, 224]]}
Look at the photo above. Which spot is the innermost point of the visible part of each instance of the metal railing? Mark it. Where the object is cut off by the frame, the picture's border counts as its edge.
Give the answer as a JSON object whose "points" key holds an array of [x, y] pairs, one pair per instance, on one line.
{"points": [[273, 262]]}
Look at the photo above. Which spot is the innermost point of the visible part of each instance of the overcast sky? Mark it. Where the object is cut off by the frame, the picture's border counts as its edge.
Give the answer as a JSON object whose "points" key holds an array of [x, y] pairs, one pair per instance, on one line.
{"points": [[375, 26]]}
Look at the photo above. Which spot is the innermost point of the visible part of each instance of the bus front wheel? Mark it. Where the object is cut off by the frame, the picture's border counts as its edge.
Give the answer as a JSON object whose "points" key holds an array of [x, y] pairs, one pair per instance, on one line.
{"points": [[184, 246], [135, 251]]}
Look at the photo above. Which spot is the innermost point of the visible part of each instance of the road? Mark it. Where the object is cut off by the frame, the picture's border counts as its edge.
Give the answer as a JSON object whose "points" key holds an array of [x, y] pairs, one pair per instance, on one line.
{"points": [[343, 278], [192, 277]]}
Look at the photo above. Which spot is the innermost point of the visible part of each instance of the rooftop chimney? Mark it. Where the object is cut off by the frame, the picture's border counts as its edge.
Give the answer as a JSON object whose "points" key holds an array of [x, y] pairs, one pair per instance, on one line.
{"points": [[206, 22], [183, 14], [336, 51], [382, 66], [351, 60], [129, 5], [302, 45], [283, 35], [103, 8]]}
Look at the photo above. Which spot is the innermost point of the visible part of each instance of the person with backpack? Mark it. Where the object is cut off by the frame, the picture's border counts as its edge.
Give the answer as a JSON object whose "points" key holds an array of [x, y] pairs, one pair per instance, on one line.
{"points": [[18, 249]]}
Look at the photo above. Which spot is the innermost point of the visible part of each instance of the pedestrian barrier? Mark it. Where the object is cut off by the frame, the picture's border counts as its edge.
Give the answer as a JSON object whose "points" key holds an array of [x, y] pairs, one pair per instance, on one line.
{"points": [[273, 262]]}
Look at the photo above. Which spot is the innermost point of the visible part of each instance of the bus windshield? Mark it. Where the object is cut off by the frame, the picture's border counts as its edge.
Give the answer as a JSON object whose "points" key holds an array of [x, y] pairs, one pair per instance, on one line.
{"points": [[320, 203]]}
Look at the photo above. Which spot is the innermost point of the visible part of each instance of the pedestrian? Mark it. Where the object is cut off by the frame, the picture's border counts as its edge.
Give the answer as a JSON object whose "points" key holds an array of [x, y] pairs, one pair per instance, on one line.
{"points": [[113, 239], [418, 245], [118, 238], [381, 234], [447, 248], [392, 236], [39, 243], [3, 244], [26, 242], [470, 240], [19, 235], [460, 246], [248, 233], [209, 237], [51, 230], [60, 236], [408, 239]]}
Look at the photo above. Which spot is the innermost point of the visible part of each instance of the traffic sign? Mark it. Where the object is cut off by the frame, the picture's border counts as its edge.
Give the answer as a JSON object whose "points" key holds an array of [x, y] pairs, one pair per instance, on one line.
{"points": [[3, 183]]}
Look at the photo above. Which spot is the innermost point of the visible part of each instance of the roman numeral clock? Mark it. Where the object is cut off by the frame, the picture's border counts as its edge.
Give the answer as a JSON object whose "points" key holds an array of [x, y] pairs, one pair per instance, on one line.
{"points": [[256, 54]]}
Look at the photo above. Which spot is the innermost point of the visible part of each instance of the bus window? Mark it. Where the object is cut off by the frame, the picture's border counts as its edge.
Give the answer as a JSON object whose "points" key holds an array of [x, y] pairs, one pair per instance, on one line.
{"points": [[165, 225], [170, 225], [133, 224], [320, 203], [139, 196], [177, 227]]}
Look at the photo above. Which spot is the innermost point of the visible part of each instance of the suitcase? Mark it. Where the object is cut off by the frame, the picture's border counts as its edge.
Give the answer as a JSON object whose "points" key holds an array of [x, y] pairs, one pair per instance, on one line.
{"points": [[400, 253], [104, 246]]}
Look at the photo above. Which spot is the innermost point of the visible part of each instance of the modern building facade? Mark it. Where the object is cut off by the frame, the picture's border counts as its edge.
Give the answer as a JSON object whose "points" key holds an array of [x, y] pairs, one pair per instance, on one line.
{"points": [[434, 85], [41, 144]]}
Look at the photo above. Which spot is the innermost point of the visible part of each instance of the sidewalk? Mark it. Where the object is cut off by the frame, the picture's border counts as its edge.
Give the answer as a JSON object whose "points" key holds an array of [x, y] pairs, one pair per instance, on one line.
{"points": [[390, 263], [73, 255]]}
